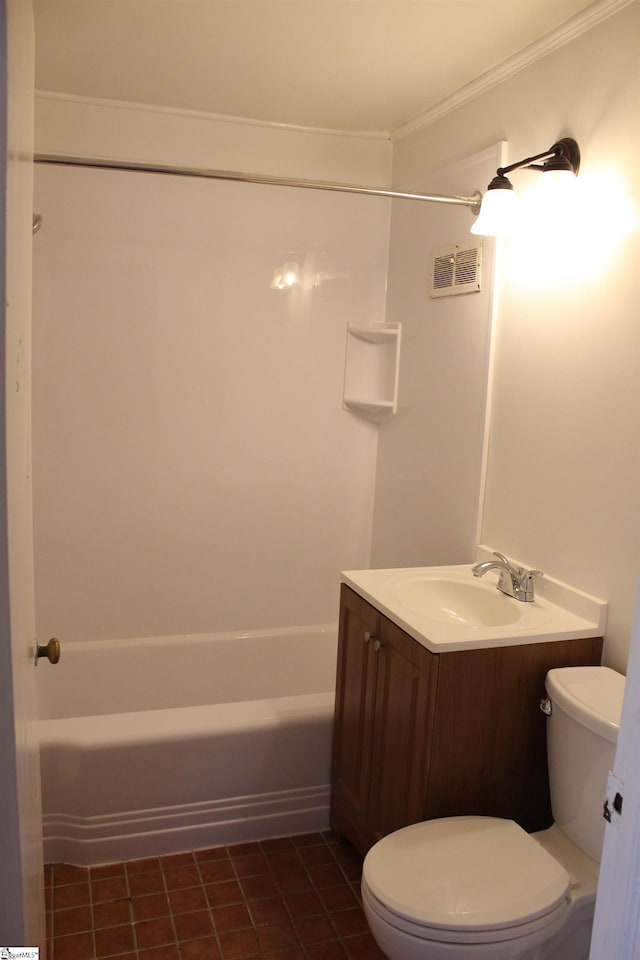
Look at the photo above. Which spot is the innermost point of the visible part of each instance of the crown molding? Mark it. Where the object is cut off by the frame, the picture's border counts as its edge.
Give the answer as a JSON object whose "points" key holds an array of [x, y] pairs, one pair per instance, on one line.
{"points": [[208, 117], [573, 28]]}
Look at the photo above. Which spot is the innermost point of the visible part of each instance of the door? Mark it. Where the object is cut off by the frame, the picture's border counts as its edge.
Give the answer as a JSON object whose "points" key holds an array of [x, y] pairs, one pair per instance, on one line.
{"points": [[407, 677], [21, 866], [616, 926]]}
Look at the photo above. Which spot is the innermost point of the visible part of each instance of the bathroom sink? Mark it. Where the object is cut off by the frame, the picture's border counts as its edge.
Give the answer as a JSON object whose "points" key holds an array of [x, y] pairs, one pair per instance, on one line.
{"points": [[447, 608], [456, 601]]}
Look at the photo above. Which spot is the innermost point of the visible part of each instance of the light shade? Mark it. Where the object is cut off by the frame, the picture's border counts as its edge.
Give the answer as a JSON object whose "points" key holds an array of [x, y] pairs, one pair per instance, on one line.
{"points": [[497, 213], [286, 277]]}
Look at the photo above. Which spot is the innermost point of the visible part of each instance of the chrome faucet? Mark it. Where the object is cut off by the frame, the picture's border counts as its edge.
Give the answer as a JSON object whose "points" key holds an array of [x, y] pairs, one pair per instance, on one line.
{"points": [[516, 582]]}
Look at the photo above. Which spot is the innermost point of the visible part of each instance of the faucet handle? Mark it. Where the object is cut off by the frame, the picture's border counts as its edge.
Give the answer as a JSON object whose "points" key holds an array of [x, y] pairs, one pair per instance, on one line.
{"points": [[526, 583]]}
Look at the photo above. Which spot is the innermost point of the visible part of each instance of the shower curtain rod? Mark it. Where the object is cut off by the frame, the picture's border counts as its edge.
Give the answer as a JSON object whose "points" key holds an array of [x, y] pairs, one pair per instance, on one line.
{"points": [[473, 203]]}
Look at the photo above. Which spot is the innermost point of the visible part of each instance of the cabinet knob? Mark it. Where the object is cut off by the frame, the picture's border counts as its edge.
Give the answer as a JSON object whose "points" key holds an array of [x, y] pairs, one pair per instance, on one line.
{"points": [[366, 636], [378, 645]]}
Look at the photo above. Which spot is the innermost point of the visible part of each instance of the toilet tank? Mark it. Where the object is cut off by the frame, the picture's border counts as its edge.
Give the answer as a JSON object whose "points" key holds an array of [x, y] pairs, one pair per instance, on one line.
{"points": [[582, 730]]}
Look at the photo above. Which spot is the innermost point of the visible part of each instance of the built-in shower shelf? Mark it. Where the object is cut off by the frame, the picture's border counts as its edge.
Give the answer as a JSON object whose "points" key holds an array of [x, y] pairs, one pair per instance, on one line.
{"points": [[372, 409], [372, 362]]}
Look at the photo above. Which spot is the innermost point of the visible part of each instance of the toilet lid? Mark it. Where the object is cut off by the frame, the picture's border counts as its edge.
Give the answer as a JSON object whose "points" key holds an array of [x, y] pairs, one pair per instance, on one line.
{"points": [[465, 873]]}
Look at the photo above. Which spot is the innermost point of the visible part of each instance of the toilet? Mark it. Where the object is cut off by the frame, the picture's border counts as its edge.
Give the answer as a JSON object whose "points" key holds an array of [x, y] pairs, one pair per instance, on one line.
{"points": [[481, 888]]}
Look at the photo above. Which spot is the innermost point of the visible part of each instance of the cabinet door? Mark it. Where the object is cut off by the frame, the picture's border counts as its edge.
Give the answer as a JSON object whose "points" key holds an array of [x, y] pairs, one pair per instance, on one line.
{"points": [[407, 676], [354, 715]]}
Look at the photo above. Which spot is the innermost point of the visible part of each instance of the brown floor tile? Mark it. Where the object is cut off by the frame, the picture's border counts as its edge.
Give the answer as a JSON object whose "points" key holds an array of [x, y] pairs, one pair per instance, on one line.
{"points": [[204, 949], [167, 952], [268, 910], [150, 906], [263, 885], [189, 926], [187, 901], [295, 881], [64, 873], [276, 843], [303, 904], [349, 922], [145, 865], [325, 875], [250, 864], [307, 839], [71, 895], [77, 946], [154, 933], [114, 940], [107, 870], [215, 871], [239, 945], [282, 861], [183, 876], [337, 898], [145, 883], [177, 860], [232, 917], [290, 898], [218, 894], [363, 947], [211, 853], [73, 920], [277, 936], [329, 950], [316, 855], [125, 956], [112, 888], [111, 913], [314, 929], [295, 954]]}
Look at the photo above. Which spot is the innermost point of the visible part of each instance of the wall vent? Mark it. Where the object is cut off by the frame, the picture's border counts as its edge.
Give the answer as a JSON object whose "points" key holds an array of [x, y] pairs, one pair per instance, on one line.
{"points": [[456, 269]]}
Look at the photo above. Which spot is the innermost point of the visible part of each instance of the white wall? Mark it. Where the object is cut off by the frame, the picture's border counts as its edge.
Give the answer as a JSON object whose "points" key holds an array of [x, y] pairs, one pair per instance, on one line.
{"points": [[430, 454], [194, 468], [562, 483], [111, 129]]}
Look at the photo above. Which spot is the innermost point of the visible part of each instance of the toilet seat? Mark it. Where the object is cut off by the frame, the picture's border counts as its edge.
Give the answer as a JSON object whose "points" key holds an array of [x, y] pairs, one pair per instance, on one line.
{"points": [[465, 880]]}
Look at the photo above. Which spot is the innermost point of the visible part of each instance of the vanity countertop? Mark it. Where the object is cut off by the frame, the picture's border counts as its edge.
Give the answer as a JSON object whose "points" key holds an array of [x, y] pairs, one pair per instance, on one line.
{"points": [[446, 608]]}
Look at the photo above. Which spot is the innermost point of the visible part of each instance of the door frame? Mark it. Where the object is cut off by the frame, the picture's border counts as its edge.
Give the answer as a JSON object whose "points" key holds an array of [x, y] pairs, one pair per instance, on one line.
{"points": [[22, 913]]}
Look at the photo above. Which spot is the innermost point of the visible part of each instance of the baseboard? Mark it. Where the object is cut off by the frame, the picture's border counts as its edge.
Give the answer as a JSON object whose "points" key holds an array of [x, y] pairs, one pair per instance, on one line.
{"points": [[87, 841]]}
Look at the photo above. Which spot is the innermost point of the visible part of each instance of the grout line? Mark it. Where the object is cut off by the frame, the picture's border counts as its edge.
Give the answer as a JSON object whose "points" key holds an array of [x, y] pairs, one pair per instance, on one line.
{"points": [[269, 851]]}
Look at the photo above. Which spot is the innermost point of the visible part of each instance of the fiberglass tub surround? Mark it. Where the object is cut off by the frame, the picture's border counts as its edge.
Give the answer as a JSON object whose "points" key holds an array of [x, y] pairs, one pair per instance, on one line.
{"points": [[448, 608], [186, 741]]}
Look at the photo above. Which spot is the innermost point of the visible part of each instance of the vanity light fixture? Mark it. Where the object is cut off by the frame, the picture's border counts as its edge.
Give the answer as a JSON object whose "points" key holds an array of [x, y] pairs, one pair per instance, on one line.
{"points": [[497, 212], [286, 276]]}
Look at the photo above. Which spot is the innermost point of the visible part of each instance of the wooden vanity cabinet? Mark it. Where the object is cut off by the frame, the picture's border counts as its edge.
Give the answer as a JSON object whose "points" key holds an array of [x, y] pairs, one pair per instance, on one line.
{"points": [[419, 735]]}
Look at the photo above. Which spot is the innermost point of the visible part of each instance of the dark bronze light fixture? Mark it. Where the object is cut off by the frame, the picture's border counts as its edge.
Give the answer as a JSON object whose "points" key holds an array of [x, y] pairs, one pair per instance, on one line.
{"points": [[561, 161]]}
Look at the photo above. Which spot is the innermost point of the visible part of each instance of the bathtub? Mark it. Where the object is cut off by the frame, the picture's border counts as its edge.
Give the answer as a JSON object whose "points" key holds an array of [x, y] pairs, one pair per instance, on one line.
{"points": [[158, 745]]}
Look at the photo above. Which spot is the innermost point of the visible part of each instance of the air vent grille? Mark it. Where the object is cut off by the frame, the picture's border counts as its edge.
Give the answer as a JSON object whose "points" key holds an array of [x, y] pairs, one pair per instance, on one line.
{"points": [[456, 269]]}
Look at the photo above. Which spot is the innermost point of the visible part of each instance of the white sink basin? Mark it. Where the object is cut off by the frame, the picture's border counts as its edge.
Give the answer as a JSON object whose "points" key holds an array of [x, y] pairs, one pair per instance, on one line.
{"points": [[458, 602], [447, 608]]}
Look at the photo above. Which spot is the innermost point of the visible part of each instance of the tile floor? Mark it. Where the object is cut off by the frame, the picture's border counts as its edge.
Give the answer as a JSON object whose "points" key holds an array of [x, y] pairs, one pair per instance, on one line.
{"points": [[292, 898]]}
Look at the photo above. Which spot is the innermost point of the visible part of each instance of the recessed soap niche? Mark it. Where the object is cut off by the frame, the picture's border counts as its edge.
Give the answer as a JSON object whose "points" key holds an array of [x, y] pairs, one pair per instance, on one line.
{"points": [[371, 367]]}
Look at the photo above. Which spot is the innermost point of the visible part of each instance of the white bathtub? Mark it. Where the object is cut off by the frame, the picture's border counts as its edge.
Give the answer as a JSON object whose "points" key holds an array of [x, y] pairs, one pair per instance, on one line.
{"points": [[158, 745]]}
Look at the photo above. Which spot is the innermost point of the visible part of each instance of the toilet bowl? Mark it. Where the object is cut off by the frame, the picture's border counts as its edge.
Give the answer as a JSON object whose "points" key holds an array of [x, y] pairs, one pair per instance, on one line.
{"points": [[475, 887], [481, 888]]}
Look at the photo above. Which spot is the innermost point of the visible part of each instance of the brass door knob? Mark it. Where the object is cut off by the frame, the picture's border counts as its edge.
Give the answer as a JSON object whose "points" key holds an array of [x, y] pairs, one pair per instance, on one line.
{"points": [[49, 650]]}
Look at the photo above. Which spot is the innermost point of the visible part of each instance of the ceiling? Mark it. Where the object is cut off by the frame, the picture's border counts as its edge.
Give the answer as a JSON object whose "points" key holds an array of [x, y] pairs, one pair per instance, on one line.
{"points": [[346, 65]]}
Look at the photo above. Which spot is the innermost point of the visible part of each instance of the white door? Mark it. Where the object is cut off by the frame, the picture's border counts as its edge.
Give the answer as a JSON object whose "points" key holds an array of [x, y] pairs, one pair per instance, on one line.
{"points": [[21, 866], [616, 928]]}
